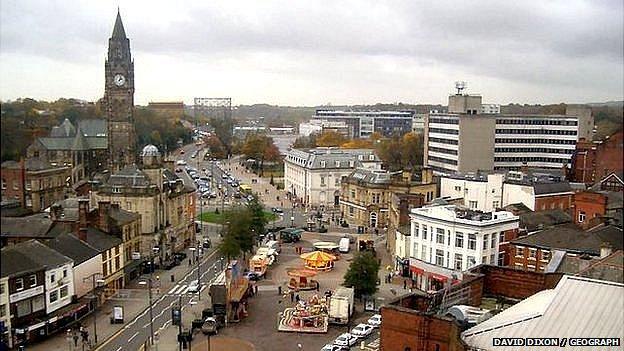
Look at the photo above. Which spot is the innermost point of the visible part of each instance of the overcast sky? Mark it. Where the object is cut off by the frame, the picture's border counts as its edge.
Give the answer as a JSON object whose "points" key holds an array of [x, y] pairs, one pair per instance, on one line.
{"points": [[314, 52]]}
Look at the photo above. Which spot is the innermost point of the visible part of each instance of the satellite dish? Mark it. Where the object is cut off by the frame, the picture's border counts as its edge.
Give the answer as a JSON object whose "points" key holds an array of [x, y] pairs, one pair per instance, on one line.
{"points": [[460, 86]]}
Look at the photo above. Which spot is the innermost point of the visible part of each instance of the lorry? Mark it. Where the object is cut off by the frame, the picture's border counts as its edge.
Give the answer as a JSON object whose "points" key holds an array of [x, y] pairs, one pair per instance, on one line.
{"points": [[343, 245], [341, 305], [290, 235]]}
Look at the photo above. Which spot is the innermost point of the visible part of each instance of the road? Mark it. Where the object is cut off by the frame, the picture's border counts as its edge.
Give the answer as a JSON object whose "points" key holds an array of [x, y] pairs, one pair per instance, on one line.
{"points": [[136, 331]]}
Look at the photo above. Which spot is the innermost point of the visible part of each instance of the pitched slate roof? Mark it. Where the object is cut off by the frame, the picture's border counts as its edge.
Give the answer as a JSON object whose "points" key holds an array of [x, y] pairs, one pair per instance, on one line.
{"points": [[100, 240], [543, 219], [35, 226], [129, 176], [122, 216], [72, 247], [93, 127], [30, 256], [551, 188], [570, 238], [65, 129]]}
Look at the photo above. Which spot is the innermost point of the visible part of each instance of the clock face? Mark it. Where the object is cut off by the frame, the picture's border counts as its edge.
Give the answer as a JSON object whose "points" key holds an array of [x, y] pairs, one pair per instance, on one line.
{"points": [[119, 80]]}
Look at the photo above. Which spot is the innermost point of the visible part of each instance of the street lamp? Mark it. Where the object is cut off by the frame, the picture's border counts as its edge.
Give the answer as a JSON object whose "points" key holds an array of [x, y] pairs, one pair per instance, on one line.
{"points": [[151, 317], [96, 282]]}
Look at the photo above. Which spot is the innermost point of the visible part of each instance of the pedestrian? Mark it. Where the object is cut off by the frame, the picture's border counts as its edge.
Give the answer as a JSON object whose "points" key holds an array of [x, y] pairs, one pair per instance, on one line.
{"points": [[189, 261], [75, 337], [292, 296], [256, 289], [297, 298], [279, 290], [318, 287], [404, 284]]}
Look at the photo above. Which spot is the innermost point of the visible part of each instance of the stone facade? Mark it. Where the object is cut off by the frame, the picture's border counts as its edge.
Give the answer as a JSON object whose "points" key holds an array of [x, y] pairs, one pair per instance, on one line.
{"points": [[34, 183]]}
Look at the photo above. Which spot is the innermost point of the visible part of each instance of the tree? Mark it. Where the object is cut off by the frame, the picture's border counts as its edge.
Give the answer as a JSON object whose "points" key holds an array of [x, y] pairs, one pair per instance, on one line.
{"points": [[330, 138], [358, 144], [229, 247], [238, 225], [362, 274], [258, 219], [260, 147], [412, 150]]}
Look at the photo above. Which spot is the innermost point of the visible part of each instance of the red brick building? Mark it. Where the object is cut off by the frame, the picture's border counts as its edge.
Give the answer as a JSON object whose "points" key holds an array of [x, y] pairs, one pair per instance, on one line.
{"points": [[533, 252], [593, 161], [587, 206]]}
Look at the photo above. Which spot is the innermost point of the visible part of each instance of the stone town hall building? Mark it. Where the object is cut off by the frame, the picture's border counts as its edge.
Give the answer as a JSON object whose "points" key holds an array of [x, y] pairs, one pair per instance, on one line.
{"points": [[93, 145]]}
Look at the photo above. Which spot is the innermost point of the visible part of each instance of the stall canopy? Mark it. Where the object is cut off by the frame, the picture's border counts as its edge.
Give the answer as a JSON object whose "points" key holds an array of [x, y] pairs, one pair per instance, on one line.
{"points": [[318, 260]]}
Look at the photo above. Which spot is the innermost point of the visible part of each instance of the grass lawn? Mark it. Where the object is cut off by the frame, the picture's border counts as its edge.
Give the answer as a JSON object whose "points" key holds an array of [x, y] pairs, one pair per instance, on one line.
{"points": [[212, 217]]}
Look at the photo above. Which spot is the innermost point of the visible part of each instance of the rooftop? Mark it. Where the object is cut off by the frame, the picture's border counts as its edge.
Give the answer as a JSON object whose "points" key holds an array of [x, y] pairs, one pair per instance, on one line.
{"points": [[72, 247], [570, 238], [35, 226], [29, 256], [559, 312], [460, 214]]}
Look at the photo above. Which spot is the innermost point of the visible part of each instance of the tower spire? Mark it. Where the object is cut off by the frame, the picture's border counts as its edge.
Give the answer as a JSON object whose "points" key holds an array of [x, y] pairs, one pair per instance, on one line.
{"points": [[118, 30]]}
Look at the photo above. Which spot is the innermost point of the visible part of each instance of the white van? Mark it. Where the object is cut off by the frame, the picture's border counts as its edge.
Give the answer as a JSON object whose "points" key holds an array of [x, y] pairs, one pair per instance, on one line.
{"points": [[343, 246], [274, 245]]}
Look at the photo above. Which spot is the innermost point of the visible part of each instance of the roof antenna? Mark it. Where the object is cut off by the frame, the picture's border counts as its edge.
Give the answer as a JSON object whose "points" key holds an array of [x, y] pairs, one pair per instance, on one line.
{"points": [[460, 86]]}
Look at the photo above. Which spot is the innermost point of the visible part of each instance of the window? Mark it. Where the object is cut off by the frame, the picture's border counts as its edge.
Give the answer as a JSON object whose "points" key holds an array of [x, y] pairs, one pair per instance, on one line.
{"points": [[458, 261], [53, 296], [472, 241], [501, 259], [486, 237], [457, 188], [116, 190], [19, 284], [1, 289], [424, 232], [440, 236], [64, 292], [423, 253], [459, 239], [472, 204], [581, 216], [519, 251], [495, 204], [439, 258], [352, 194], [64, 273], [470, 261], [104, 269], [416, 229], [545, 256], [4, 184], [415, 253], [323, 164], [116, 250], [351, 211], [322, 181], [117, 263], [32, 280], [492, 259], [532, 254], [15, 185], [337, 164], [3, 311], [351, 164], [501, 237], [493, 242], [52, 278]]}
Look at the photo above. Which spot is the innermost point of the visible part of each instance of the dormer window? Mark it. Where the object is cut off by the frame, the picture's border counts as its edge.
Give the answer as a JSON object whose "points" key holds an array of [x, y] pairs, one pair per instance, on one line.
{"points": [[323, 164], [337, 164], [116, 190]]}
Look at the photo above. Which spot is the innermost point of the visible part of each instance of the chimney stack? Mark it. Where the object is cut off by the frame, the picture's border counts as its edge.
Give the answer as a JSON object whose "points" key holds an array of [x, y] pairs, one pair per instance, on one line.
{"points": [[83, 210], [55, 212], [605, 250], [104, 216], [82, 234]]}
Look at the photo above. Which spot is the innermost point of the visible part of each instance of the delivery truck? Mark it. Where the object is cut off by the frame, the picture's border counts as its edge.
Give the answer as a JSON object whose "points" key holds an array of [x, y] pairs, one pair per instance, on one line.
{"points": [[341, 305]]}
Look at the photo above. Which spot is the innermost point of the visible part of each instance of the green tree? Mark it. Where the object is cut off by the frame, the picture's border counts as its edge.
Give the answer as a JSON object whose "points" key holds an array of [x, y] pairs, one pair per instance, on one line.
{"points": [[258, 219], [362, 274], [238, 225], [229, 247]]}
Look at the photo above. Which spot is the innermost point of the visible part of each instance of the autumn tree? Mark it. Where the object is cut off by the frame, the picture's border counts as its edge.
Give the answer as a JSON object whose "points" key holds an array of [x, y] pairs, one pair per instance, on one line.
{"points": [[405, 153], [261, 148], [330, 138], [358, 144]]}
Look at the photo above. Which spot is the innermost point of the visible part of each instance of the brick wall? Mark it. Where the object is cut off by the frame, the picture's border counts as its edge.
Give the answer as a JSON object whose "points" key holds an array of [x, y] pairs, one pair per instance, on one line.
{"points": [[528, 258], [13, 184], [563, 202], [403, 329], [590, 205], [609, 156], [516, 284]]}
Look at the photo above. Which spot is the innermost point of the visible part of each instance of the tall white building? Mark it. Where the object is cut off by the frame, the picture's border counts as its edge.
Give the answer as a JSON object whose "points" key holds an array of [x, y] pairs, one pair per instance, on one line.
{"points": [[313, 175], [446, 240], [467, 139]]}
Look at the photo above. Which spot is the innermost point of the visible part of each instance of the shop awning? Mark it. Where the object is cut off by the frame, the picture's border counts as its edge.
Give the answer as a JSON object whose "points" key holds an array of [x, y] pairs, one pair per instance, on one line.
{"points": [[416, 270], [437, 277]]}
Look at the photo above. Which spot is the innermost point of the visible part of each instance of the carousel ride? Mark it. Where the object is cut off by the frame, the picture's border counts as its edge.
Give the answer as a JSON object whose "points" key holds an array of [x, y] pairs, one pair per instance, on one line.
{"points": [[300, 279]]}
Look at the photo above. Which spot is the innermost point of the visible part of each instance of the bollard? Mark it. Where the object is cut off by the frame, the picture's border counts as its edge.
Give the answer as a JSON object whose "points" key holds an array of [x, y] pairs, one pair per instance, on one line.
{"points": [[172, 279]]}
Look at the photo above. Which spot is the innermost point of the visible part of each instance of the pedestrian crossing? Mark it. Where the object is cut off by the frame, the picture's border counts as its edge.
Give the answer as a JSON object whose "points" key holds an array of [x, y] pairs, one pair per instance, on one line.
{"points": [[183, 289]]}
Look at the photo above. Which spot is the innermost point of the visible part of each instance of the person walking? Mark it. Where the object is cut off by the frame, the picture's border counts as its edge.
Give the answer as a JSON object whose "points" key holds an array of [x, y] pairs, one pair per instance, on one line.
{"points": [[404, 284]]}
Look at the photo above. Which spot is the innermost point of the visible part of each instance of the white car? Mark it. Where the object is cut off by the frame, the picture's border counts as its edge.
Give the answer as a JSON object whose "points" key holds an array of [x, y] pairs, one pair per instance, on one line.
{"points": [[330, 347], [362, 330], [346, 339], [374, 321], [193, 286]]}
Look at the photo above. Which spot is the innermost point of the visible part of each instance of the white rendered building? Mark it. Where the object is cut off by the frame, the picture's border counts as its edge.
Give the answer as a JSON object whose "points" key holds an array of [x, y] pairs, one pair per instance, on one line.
{"points": [[447, 239], [313, 175], [480, 191]]}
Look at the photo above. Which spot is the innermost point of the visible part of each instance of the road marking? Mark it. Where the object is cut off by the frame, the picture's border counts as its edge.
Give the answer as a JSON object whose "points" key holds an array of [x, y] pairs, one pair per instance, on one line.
{"points": [[133, 336], [118, 349], [174, 288]]}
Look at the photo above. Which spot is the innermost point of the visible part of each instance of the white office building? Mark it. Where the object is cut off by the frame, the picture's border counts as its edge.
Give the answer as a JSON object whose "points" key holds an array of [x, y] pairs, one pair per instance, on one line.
{"points": [[313, 175], [480, 191], [466, 139], [446, 240]]}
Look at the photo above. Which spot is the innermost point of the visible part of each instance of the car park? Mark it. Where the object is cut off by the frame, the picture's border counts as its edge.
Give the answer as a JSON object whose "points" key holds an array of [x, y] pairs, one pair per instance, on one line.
{"points": [[375, 321], [346, 339], [362, 330]]}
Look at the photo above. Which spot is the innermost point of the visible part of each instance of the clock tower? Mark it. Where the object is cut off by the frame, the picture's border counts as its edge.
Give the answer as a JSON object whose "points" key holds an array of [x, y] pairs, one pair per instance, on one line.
{"points": [[119, 100]]}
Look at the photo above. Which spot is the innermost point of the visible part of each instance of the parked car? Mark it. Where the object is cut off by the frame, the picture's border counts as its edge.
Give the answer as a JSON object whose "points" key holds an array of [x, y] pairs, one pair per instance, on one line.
{"points": [[180, 255], [330, 347], [277, 210], [253, 276], [210, 326], [206, 244], [193, 286], [362, 330], [346, 339], [375, 321]]}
